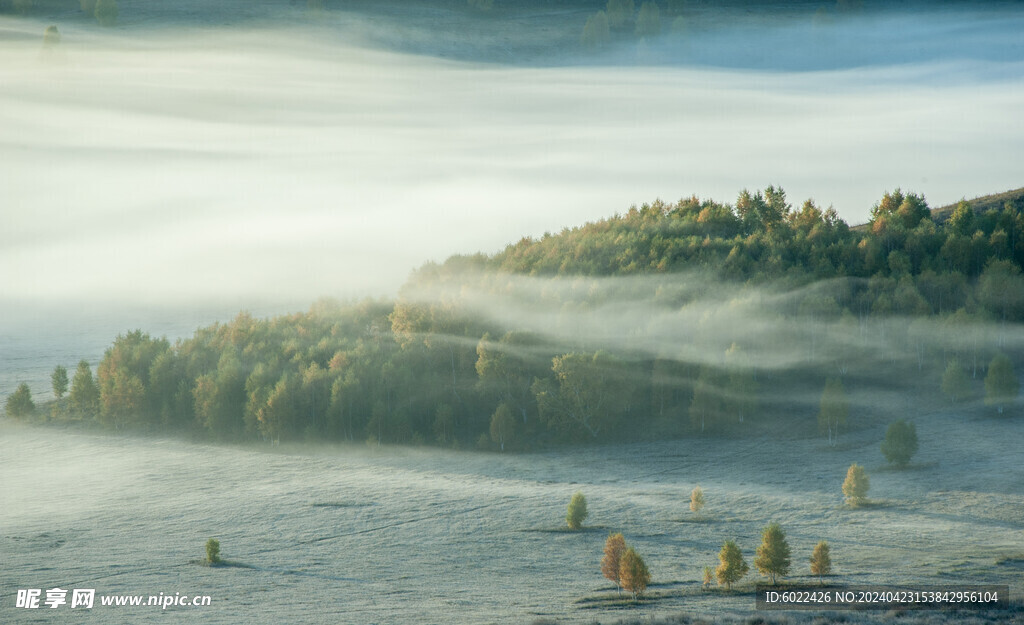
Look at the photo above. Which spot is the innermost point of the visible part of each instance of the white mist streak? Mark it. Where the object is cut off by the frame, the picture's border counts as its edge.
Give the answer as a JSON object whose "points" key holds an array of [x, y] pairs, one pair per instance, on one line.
{"points": [[276, 165]]}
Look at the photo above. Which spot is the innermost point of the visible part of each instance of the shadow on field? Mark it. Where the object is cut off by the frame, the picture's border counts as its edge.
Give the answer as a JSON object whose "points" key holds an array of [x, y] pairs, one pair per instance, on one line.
{"points": [[590, 529]]}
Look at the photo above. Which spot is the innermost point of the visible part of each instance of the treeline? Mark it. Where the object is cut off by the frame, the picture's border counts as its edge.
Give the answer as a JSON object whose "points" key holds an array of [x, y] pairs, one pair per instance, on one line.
{"points": [[105, 11], [670, 319], [761, 238]]}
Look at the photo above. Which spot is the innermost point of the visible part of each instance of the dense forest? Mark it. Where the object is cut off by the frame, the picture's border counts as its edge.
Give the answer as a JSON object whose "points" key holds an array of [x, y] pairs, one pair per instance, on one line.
{"points": [[692, 318]]}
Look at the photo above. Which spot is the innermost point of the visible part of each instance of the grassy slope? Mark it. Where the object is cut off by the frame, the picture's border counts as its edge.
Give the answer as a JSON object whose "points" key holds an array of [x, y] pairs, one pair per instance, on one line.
{"points": [[981, 204], [346, 534]]}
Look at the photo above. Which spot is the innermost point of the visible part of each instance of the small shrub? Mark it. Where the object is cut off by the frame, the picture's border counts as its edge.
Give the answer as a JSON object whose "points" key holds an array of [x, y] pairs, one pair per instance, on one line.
{"points": [[577, 512], [213, 551], [821, 560], [709, 576], [856, 484], [50, 39], [697, 500], [900, 443]]}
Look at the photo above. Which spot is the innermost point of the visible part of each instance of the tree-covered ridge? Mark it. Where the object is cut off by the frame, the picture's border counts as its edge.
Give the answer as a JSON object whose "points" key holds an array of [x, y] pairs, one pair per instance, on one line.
{"points": [[762, 237], [670, 320]]}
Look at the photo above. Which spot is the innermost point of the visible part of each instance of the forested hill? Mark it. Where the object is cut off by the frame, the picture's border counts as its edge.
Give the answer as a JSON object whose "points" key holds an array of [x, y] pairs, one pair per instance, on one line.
{"points": [[762, 237], [684, 319]]}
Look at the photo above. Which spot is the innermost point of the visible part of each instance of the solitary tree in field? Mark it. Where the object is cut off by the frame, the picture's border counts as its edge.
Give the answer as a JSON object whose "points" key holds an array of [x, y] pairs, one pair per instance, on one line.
{"points": [[835, 407], [213, 551], [697, 500], [59, 378], [731, 566], [614, 547], [856, 484], [773, 554], [19, 403], [577, 512], [821, 560], [1001, 386], [633, 573], [900, 443], [955, 384]]}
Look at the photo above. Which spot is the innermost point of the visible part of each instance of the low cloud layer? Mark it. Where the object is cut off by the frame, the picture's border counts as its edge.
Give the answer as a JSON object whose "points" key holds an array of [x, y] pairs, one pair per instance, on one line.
{"points": [[258, 168]]}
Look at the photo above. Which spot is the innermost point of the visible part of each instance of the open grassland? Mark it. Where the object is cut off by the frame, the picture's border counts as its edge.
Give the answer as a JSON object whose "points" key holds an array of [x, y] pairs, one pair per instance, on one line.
{"points": [[401, 535]]}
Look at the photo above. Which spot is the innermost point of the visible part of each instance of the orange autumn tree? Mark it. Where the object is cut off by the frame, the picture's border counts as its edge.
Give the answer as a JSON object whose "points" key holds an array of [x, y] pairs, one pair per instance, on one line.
{"points": [[614, 547], [633, 573]]}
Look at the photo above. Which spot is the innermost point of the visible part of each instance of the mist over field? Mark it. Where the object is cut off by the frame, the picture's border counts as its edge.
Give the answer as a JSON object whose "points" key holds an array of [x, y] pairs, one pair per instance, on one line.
{"points": [[202, 158], [274, 165]]}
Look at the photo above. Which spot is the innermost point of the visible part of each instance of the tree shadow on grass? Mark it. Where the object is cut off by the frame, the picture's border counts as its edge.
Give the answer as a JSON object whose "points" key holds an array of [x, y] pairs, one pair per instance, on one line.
{"points": [[221, 564], [590, 529], [871, 504], [703, 520], [913, 466]]}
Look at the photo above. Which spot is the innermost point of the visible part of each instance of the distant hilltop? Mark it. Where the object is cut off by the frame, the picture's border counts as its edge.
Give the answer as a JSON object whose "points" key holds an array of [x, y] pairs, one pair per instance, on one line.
{"points": [[981, 204]]}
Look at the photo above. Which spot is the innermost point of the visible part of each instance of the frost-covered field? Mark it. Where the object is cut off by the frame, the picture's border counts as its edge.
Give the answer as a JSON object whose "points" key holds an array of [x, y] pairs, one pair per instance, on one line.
{"points": [[360, 535]]}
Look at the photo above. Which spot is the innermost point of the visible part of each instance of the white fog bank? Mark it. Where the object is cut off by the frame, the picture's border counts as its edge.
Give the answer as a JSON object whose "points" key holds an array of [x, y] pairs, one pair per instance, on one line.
{"points": [[276, 167]]}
